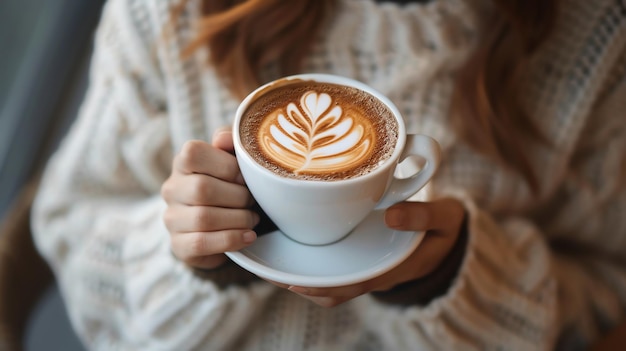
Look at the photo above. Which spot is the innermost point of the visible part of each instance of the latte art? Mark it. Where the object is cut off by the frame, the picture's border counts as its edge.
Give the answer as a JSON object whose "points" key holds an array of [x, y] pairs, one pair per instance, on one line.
{"points": [[315, 136], [318, 131]]}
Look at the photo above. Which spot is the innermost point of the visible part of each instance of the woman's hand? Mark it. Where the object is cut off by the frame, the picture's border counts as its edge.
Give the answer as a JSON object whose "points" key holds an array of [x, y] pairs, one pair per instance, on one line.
{"points": [[207, 203], [441, 219]]}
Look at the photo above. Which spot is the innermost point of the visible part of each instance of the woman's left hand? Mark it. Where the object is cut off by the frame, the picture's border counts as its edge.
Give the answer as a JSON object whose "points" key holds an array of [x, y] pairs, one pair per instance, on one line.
{"points": [[441, 219]]}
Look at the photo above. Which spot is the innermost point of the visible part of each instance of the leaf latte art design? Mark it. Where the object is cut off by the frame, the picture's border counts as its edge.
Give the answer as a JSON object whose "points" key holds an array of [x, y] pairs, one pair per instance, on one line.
{"points": [[316, 136]]}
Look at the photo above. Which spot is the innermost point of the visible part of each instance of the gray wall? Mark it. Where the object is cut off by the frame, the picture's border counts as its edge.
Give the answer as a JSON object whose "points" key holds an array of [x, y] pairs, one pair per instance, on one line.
{"points": [[43, 45], [44, 53]]}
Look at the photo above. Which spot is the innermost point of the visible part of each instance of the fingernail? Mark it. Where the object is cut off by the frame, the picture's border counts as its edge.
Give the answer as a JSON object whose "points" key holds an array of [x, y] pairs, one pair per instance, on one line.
{"points": [[298, 289], [255, 218], [220, 131], [394, 218], [249, 237]]}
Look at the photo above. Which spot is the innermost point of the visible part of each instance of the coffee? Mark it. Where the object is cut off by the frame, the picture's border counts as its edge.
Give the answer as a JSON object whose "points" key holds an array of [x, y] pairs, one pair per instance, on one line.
{"points": [[318, 131]]}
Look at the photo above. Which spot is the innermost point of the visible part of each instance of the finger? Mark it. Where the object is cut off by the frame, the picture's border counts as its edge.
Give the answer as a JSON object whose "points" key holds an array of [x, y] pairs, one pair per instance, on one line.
{"points": [[324, 301], [444, 215], [188, 219], [349, 291], [427, 257], [190, 246], [223, 139], [280, 285], [200, 157], [202, 190], [207, 262]]}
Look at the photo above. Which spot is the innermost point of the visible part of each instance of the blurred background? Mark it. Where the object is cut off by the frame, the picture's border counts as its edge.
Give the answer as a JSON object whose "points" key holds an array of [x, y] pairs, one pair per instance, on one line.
{"points": [[45, 47]]}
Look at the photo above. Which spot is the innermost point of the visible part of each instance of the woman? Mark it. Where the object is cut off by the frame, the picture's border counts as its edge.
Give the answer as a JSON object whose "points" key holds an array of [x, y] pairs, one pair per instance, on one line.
{"points": [[525, 233]]}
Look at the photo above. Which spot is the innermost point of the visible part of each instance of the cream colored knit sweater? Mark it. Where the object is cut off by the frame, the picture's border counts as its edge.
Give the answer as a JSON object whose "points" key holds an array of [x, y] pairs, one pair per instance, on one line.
{"points": [[537, 272]]}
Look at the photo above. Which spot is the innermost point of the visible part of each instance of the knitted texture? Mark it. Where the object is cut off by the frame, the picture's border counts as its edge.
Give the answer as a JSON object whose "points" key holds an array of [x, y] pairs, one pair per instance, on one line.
{"points": [[539, 272]]}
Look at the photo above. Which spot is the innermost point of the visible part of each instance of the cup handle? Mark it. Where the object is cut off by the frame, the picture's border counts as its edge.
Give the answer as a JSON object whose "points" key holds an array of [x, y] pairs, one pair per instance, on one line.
{"points": [[402, 189]]}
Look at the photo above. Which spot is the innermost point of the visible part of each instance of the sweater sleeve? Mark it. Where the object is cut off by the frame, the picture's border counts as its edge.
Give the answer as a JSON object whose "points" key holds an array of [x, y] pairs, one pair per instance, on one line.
{"points": [[513, 291], [98, 215], [504, 296], [521, 286]]}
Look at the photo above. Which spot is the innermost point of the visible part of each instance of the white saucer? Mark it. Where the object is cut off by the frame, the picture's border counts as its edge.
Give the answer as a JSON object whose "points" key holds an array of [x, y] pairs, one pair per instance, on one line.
{"points": [[370, 250]]}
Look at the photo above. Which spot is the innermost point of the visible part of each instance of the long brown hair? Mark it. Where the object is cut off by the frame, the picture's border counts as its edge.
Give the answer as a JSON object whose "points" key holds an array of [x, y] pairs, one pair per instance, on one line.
{"points": [[486, 105], [245, 35]]}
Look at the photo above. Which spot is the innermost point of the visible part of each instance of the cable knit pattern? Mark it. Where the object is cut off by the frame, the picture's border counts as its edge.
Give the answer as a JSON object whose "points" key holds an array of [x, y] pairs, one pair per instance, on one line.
{"points": [[539, 273]]}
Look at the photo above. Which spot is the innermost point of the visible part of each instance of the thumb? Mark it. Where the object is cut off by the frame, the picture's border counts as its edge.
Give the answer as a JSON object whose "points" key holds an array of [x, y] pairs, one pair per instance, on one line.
{"points": [[223, 139], [442, 215]]}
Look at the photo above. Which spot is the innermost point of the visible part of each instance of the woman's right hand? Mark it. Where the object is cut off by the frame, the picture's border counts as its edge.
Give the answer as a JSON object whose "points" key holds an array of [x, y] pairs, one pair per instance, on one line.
{"points": [[208, 205]]}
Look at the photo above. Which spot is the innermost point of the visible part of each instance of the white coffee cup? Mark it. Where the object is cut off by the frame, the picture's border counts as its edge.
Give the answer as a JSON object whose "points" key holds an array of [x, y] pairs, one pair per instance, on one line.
{"points": [[317, 212]]}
